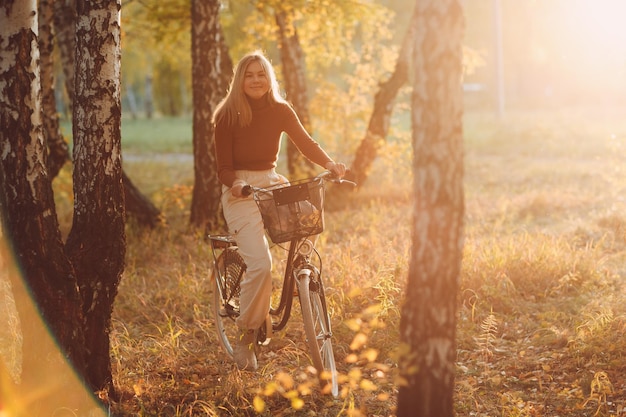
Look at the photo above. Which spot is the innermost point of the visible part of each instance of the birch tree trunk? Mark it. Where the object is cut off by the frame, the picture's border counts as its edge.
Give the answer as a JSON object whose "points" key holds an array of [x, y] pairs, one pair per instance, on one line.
{"points": [[29, 220], [211, 70], [138, 206], [97, 243], [428, 322]]}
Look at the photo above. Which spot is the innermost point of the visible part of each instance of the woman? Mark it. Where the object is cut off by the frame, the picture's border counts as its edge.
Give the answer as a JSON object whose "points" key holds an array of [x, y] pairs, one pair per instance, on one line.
{"points": [[249, 123]]}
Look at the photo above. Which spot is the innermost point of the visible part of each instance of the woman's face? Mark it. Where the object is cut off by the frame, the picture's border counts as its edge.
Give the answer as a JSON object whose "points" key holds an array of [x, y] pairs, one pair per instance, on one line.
{"points": [[255, 82]]}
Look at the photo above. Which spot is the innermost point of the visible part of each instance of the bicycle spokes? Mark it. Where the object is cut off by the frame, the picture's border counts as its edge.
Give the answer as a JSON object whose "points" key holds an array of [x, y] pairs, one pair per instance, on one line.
{"points": [[317, 327], [229, 269]]}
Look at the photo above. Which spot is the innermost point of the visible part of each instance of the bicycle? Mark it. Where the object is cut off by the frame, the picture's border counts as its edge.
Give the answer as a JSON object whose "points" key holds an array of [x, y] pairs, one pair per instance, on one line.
{"points": [[292, 213]]}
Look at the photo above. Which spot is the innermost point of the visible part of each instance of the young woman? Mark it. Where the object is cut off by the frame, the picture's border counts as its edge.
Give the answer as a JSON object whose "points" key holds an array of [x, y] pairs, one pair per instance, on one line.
{"points": [[249, 123]]}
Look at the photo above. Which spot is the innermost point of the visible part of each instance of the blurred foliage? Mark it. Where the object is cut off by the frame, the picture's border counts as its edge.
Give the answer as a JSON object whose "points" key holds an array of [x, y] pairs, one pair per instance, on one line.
{"points": [[349, 46]]}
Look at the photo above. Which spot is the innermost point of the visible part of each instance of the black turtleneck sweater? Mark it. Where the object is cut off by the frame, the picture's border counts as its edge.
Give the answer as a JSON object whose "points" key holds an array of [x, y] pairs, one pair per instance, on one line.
{"points": [[256, 147]]}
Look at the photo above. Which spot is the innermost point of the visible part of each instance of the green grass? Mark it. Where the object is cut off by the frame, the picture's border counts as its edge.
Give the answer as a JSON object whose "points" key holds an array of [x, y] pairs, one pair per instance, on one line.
{"points": [[160, 135]]}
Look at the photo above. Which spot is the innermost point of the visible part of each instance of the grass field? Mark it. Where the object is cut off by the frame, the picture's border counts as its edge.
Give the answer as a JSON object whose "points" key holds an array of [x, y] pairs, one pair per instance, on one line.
{"points": [[541, 301]]}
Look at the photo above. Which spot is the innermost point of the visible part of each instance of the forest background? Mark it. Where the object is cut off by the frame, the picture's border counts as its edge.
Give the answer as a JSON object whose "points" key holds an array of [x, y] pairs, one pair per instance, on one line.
{"points": [[559, 83]]}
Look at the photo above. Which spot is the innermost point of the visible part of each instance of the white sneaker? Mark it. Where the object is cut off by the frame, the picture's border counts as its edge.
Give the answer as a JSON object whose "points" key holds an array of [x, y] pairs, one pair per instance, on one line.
{"points": [[243, 352]]}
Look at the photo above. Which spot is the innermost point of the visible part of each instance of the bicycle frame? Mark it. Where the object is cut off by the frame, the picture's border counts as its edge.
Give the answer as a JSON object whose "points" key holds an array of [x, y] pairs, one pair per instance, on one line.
{"points": [[295, 263]]}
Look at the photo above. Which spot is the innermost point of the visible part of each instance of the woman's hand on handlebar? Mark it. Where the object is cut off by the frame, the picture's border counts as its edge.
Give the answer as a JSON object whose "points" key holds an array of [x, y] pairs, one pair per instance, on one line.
{"points": [[237, 188], [337, 168]]}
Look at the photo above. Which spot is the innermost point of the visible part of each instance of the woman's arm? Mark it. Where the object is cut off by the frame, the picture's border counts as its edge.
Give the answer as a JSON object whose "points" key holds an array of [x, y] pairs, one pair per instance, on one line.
{"points": [[301, 138], [224, 154]]}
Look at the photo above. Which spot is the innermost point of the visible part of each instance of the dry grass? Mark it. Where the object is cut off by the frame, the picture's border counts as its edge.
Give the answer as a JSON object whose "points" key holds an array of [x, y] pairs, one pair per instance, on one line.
{"points": [[541, 305], [166, 355]]}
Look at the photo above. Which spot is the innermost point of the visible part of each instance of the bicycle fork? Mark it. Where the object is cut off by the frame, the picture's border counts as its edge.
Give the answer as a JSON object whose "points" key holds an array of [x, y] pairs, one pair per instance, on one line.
{"points": [[309, 275]]}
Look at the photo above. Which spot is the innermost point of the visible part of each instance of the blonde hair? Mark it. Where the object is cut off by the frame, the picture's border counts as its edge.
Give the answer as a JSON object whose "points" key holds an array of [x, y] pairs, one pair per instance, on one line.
{"points": [[234, 108]]}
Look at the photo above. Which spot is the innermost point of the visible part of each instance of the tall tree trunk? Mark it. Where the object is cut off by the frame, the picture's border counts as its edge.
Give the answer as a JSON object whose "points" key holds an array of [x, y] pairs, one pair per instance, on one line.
{"points": [[138, 206], [380, 119], [97, 243], [211, 69], [428, 322], [58, 151], [294, 73], [26, 199]]}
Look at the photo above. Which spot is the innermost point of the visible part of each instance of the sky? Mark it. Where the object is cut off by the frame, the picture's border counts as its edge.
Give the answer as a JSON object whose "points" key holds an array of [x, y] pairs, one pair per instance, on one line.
{"points": [[558, 49]]}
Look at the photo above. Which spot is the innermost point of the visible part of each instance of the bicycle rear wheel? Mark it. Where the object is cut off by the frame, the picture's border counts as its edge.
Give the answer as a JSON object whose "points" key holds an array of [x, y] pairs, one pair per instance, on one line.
{"points": [[227, 274], [317, 328]]}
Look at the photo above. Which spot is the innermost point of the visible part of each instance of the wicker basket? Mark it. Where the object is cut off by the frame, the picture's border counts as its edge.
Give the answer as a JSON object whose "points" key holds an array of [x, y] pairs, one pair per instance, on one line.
{"points": [[292, 211]]}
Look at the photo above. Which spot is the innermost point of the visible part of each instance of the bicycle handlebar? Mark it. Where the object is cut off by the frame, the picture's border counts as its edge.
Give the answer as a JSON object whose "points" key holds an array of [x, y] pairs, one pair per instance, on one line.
{"points": [[326, 175], [329, 176]]}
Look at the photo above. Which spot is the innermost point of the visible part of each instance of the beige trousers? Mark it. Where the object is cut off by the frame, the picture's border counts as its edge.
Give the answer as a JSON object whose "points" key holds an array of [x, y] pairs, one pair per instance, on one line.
{"points": [[245, 224]]}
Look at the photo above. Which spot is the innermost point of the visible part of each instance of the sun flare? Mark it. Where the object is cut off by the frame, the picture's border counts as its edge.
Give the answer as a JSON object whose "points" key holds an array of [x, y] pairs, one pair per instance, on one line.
{"points": [[599, 25]]}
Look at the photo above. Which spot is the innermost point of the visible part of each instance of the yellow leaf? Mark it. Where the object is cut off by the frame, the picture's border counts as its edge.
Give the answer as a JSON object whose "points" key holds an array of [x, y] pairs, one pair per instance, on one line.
{"points": [[374, 309], [138, 388], [326, 389], [285, 380], [368, 385], [376, 323], [355, 291], [355, 374], [351, 358], [297, 403], [383, 396], [354, 324], [359, 340], [291, 394], [326, 375], [305, 389], [270, 389], [259, 404], [370, 355]]}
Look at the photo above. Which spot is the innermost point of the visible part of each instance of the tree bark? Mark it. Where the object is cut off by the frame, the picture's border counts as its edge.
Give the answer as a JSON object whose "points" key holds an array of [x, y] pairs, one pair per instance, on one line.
{"points": [[26, 198], [428, 322], [58, 150], [97, 243], [378, 126], [138, 206], [211, 69], [294, 73]]}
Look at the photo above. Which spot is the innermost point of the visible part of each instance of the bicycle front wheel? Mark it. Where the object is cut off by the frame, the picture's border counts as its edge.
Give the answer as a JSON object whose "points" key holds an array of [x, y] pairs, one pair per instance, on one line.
{"points": [[317, 329], [229, 269]]}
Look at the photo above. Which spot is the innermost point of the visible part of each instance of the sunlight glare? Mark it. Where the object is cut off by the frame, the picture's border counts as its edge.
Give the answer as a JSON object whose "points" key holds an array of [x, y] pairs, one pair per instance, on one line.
{"points": [[600, 25], [585, 41]]}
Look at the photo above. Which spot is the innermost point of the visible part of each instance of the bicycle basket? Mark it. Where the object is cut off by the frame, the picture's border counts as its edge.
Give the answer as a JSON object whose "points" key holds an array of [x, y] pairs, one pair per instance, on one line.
{"points": [[292, 211]]}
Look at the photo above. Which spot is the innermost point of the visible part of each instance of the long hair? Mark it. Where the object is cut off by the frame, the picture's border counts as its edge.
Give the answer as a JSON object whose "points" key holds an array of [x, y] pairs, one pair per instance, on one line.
{"points": [[234, 108]]}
